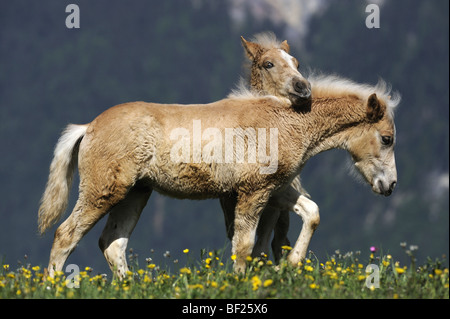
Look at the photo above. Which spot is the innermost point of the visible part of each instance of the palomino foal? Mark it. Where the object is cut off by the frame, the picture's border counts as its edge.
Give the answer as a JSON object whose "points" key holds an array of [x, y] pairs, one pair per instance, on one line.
{"points": [[134, 148]]}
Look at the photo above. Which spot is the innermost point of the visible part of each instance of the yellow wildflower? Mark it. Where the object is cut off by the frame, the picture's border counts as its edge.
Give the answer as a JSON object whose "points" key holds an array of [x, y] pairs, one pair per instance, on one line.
{"points": [[186, 251], [309, 268], [399, 270], [286, 247], [233, 257], [256, 282], [147, 279], [185, 270], [267, 282]]}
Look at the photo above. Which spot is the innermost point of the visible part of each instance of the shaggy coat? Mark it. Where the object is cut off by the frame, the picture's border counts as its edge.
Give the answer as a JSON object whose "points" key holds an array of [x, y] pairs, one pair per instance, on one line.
{"points": [[125, 153]]}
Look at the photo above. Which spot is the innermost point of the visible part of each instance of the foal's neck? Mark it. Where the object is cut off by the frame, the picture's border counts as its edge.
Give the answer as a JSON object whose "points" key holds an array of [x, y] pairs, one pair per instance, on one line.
{"points": [[330, 123]]}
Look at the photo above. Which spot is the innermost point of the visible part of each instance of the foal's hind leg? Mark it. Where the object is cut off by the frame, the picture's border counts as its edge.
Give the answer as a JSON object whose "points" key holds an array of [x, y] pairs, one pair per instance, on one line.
{"points": [[268, 219], [121, 221], [228, 205], [70, 232], [280, 238], [99, 192]]}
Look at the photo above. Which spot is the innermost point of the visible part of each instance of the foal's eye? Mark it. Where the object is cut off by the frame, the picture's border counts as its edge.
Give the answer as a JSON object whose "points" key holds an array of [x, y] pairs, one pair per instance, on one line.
{"points": [[386, 140], [268, 65]]}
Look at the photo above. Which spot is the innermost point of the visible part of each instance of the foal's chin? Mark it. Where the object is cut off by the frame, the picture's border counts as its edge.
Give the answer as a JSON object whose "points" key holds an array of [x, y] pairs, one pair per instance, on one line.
{"points": [[300, 101]]}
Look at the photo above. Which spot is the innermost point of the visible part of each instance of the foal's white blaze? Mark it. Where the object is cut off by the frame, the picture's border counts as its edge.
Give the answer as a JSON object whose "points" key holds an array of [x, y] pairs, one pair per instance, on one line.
{"points": [[290, 61], [297, 87]]}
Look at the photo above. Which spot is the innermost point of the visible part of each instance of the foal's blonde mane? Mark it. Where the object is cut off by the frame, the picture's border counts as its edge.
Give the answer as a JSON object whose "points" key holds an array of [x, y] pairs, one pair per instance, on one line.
{"points": [[333, 86], [244, 92]]}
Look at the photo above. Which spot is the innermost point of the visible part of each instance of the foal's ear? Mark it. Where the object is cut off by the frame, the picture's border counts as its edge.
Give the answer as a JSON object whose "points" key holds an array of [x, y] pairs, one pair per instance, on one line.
{"points": [[285, 46], [251, 48], [375, 109]]}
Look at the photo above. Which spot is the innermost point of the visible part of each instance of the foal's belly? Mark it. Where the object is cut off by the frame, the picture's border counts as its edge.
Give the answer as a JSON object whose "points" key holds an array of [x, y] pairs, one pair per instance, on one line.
{"points": [[192, 181]]}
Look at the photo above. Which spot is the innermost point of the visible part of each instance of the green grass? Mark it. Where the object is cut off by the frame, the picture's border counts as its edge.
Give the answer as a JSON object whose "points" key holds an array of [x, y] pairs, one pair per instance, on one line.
{"points": [[211, 277]]}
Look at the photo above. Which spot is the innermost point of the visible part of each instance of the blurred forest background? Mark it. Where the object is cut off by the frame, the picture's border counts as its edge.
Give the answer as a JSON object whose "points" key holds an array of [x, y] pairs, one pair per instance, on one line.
{"points": [[190, 52]]}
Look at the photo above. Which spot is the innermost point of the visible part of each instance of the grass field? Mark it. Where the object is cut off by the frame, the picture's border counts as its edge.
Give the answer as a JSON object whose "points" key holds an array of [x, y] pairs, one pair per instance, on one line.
{"points": [[340, 276]]}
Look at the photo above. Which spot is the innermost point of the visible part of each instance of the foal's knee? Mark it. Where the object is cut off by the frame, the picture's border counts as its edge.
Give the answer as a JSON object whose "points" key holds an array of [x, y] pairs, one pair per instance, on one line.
{"points": [[309, 211], [313, 215], [315, 220]]}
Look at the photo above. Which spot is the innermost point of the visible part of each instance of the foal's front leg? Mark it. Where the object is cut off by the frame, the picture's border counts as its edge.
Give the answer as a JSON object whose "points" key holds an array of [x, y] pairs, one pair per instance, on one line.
{"points": [[247, 214]]}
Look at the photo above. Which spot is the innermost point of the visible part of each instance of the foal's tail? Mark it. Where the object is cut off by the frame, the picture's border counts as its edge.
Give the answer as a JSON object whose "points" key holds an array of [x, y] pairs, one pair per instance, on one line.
{"points": [[56, 195]]}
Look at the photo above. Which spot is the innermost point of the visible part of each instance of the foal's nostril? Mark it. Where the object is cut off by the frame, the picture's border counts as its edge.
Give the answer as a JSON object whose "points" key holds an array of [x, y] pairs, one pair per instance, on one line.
{"points": [[392, 186]]}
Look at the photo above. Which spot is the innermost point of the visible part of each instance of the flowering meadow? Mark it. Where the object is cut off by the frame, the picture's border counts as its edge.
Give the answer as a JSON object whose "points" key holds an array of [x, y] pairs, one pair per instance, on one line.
{"points": [[211, 277]]}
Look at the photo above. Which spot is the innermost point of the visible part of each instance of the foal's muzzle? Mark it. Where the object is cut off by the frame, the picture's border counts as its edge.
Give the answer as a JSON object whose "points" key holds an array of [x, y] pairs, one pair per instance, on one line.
{"points": [[385, 188], [302, 89], [386, 191]]}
